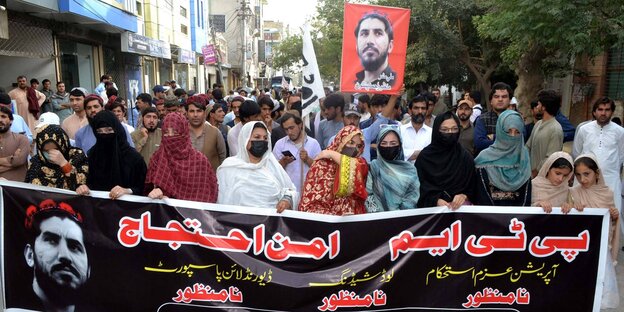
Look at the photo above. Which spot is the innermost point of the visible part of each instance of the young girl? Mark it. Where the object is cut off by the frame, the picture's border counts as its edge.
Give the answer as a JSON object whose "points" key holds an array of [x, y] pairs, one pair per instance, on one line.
{"points": [[550, 186], [592, 192]]}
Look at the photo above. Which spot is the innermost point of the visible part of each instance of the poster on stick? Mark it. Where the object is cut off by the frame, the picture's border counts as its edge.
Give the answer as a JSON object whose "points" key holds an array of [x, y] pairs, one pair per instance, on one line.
{"points": [[374, 44]]}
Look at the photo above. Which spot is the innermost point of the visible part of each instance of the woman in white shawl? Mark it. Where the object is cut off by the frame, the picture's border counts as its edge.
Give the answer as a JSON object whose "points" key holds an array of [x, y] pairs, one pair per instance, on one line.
{"points": [[254, 177]]}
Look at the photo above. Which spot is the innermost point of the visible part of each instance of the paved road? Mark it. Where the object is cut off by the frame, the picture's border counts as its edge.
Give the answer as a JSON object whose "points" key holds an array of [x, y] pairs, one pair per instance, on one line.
{"points": [[619, 269]]}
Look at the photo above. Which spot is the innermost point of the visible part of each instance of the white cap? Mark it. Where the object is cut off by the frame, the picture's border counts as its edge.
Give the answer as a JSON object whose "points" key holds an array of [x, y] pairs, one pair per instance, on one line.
{"points": [[48, 119], [514, 101]]}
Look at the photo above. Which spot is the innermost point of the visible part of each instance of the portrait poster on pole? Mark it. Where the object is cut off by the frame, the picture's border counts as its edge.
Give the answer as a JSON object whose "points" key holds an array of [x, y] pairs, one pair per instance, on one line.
{"points": [[374, 44]]}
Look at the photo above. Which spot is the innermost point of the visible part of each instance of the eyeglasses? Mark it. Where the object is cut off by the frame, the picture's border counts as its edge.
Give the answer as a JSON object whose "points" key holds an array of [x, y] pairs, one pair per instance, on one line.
{"points": [[449, 130]]}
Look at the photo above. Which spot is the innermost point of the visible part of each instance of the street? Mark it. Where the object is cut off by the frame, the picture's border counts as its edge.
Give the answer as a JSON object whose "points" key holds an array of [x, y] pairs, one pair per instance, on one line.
{"points": [[620, 278]]}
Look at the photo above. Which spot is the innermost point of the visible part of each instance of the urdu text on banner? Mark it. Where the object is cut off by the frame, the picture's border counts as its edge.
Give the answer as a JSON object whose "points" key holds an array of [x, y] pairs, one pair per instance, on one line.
{"points": [[137, 254]]}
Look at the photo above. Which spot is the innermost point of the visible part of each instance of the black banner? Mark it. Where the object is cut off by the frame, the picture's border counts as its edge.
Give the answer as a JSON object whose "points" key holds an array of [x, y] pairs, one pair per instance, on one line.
{"points": [[143, 255]]}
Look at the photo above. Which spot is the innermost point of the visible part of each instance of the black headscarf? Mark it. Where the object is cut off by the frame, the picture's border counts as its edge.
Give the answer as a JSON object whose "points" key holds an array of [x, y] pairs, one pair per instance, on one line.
{"points": [[43, 172], [112, 161], [444, 167]]}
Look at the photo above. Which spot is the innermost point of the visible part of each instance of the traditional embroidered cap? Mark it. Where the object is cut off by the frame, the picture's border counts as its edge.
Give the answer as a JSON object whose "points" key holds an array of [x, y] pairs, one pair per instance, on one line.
{"points": [[49, 205]]}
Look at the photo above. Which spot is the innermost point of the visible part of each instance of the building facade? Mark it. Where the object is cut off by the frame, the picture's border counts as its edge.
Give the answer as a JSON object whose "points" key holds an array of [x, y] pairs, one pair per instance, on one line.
{"points": [[140, 43]]}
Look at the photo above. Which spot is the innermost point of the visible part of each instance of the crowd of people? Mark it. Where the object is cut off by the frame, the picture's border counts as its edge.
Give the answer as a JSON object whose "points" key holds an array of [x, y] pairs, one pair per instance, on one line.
{"points": [[374, 153]]}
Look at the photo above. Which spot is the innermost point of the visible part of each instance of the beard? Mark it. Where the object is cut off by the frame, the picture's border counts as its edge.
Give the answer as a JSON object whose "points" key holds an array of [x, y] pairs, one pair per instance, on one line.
{"points": [[463, 117], [539, 116], [60, 294], [5, 128], [151, 129], [373, 64], [418, 118]]}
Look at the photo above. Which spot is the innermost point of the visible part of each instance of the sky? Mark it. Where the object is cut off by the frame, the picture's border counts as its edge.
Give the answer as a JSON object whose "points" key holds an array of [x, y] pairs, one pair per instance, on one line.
{"points": [[291, 13]]}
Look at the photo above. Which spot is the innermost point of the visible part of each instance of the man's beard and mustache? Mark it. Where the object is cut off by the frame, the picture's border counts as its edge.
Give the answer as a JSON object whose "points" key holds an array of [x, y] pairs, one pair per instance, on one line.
{"points": [[60, 294], [463, 117], [539, 116], [372, 64], [418, 118], [4, 128], [151, 128]]}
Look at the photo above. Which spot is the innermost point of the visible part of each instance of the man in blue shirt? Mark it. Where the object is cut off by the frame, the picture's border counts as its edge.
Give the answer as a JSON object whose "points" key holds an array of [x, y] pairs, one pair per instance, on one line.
{"points": [[85, 138], [485, 125]]}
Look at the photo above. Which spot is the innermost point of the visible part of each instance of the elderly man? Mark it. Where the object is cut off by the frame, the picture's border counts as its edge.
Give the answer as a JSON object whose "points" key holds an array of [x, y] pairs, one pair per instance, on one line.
{"points": [[28, 102], [58, 256]]}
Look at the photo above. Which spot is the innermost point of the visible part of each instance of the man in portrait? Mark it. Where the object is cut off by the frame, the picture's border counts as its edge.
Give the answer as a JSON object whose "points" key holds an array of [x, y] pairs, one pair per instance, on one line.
{"points": [[58, 256], [375, 41]]}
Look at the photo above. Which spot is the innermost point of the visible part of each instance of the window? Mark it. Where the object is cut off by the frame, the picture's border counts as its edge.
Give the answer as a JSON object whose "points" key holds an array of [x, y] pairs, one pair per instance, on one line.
{"points": [[184, 29], [139, 8], [615, 73], [201, 13], [183, 11], [198, 14]]}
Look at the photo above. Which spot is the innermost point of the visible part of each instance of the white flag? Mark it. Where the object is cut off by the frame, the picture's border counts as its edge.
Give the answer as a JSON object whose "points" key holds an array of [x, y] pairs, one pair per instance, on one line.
{"points": [[312, 90]]}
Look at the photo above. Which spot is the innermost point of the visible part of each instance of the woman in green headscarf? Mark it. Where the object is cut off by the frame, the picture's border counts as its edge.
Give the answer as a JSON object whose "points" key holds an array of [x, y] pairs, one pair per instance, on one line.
{"points": [[392, 182], [504, 169]]}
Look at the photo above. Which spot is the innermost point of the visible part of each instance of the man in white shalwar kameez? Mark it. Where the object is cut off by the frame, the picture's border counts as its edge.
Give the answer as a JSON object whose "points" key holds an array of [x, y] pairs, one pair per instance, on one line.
{"points": [[604, 139]]}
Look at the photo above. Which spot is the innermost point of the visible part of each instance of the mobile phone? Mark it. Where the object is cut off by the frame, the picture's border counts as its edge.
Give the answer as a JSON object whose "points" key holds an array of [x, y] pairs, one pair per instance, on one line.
{"points": [[288, 153]]}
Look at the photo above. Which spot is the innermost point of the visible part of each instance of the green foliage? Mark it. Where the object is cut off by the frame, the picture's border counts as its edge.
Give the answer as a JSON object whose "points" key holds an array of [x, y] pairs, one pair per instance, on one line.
{"points": [[560, 28], [326, 38], [442, 41], [288, 52]]}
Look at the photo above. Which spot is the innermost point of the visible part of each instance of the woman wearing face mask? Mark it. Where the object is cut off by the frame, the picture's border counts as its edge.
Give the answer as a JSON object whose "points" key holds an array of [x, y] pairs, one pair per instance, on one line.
{"points": [[550, 186], [445, 169], [176, 169], [504, 169], [392, 183], [592, 192], [254, 177], [57, 163], [114, 165], [336, 181]]}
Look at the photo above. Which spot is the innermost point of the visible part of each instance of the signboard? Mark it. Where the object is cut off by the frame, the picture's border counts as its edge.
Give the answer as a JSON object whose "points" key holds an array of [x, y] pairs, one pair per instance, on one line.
{"points": [[186, 56], [210, 56], [134, 43], [137, 254]]}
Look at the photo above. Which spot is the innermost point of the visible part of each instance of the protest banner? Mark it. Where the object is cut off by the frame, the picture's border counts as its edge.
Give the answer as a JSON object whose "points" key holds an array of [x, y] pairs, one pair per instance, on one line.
{"points": [[137, 254], [374, 45]]}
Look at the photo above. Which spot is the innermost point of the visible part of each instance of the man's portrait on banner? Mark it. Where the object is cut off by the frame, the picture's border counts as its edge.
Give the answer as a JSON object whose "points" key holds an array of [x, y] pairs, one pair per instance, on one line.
{"points": [[375, 40], [374, 43], [57, 254]]}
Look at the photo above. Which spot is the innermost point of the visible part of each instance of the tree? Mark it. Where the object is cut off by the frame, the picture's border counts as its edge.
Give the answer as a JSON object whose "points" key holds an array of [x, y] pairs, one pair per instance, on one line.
{"points": [[326, 38], [548, 34], [444, 46]]}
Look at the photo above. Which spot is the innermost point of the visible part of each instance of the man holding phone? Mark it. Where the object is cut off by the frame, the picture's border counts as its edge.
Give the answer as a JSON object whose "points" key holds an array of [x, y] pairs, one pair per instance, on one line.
{"points": [[296, 151]]}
